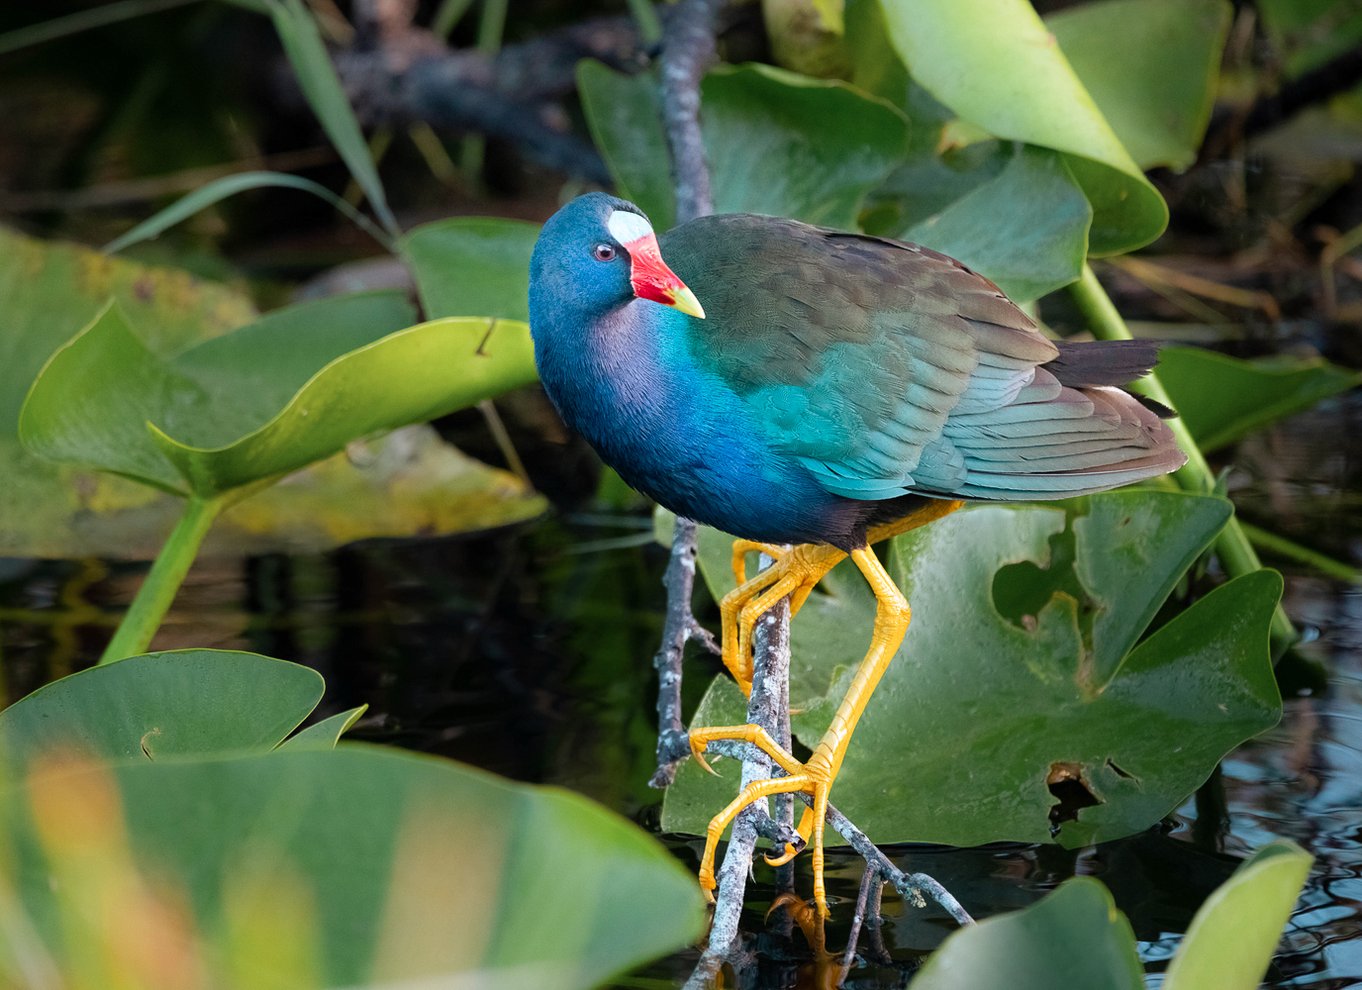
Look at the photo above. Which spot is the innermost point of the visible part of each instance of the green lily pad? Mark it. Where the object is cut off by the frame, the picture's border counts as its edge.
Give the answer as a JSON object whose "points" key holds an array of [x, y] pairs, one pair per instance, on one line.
{"points": [[404, 482], [51, 289], [1151, 66], [372, 866], [265, 400], [379, 867], [472, 266], [177, 703], [1073, 937], [412, 483], [408, 481], [997, 66], [1223, 398], [1027, 229], [1020, 656], [1231, 940], [766, 140]]}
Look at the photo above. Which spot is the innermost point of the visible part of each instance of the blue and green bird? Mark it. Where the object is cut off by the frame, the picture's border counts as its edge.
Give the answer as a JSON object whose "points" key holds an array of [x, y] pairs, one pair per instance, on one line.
{"points": [[813, 391]]}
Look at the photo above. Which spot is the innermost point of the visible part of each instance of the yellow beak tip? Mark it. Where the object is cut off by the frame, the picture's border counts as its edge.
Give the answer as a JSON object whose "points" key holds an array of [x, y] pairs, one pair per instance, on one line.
{"points": [[686, 302]]}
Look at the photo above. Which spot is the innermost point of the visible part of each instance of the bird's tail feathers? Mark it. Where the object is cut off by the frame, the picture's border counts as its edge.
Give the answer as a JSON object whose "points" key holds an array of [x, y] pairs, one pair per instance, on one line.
{"points": [[1083, 441]]}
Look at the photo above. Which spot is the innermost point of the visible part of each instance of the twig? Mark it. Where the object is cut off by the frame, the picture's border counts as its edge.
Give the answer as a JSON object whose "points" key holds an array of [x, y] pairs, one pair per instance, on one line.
{"points": [[687, 51], [770, 676], [870, 879], [687, 48], [911, 886], [679, 628]]}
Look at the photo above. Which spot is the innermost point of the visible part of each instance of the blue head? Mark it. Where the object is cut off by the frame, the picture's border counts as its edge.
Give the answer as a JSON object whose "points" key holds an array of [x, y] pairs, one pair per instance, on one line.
{"points": [[596, 254]]}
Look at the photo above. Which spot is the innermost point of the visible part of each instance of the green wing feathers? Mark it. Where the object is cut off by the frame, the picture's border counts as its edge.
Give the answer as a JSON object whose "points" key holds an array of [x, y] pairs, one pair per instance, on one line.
{"points": [[887, 368]]}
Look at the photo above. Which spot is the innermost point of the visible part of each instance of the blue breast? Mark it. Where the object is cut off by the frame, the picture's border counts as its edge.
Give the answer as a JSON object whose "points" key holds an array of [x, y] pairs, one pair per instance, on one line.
{"points": [[630, 386]]}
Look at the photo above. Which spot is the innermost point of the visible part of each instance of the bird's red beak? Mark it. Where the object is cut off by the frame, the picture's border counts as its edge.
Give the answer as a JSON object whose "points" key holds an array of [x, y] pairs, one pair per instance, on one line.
{"points": [[652, 279]]}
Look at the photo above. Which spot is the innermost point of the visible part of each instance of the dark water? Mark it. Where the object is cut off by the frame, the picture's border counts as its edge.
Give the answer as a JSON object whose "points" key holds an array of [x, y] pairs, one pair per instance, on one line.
{"points": [[527, 652]]}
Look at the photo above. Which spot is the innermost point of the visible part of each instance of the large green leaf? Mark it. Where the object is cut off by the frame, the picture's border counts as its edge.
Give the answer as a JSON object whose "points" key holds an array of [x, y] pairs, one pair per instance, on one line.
{"points": [[177, 703], [1232, 938], [1074, 937], [766, 140], [1151, 66], [51, 289], [1020, 656], [996, 65], [770, 149], [1224, 398], [472, 266], [1027, 229], [376, 867], [267, 399]]}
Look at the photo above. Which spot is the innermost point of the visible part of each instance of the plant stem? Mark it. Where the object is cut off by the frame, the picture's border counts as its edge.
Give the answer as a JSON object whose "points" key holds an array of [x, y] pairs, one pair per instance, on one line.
{"points": [[1232, 545], [649, 24], [158, 589], [1277, 544]]}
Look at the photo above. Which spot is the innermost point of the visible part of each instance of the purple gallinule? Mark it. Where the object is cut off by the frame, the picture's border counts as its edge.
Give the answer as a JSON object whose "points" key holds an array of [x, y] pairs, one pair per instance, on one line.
{"points": [[789, 384]]}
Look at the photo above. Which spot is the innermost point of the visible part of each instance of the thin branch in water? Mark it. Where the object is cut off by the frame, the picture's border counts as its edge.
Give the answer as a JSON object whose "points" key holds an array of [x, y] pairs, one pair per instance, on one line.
{"points": [[870, 879]]}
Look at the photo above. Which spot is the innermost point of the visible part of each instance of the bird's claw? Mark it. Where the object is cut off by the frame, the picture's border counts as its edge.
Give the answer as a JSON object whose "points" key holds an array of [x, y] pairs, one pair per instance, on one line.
{"points": [[813, 778], [697, 750], [794, 573]]}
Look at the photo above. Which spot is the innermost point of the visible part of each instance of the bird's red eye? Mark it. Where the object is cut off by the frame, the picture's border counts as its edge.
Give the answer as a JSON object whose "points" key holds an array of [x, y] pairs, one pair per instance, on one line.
{"points": [[603, 252]]}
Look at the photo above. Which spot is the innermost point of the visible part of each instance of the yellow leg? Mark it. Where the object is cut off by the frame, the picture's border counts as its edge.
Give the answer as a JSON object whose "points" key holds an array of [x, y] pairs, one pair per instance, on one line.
{"points": [[795, 573]]}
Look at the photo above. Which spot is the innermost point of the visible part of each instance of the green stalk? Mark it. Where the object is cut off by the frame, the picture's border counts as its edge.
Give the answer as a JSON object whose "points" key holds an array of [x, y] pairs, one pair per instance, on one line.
{"points": [[1291, 550], [158, 590], [1232, 545], [649, 24], [491, 29]]}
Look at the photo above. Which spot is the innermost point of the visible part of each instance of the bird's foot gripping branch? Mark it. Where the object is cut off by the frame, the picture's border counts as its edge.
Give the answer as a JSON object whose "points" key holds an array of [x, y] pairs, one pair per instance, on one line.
{"points": [[792, 576]]}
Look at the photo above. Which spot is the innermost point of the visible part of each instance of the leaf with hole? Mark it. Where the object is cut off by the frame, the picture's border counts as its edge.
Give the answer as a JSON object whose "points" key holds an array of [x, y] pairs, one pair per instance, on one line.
{"points": [[1020, 656]]}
